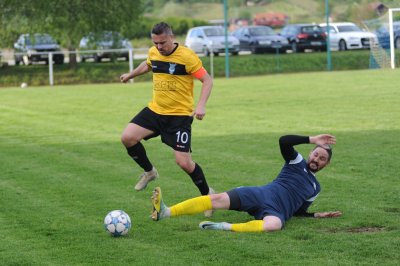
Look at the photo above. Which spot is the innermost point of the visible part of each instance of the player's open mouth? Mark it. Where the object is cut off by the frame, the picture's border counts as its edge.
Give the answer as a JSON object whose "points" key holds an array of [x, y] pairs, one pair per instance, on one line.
{"points": [[314, 165]]}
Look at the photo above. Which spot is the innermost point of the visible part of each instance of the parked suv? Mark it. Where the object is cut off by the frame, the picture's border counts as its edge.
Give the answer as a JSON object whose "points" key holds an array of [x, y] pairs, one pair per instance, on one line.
{"points": [[346, 35], [207, 39], [35, 48], [102, 42], [305, 36], [260, 39]]}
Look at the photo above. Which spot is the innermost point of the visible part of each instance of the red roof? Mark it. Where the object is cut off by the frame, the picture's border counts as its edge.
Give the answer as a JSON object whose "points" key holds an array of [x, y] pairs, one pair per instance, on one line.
{"points": [[273, 19]]}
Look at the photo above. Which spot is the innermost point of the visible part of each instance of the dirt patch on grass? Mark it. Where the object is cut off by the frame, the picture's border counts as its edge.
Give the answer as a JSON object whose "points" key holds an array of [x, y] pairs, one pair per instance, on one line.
{"points": [[391, 209], [365, 230]]}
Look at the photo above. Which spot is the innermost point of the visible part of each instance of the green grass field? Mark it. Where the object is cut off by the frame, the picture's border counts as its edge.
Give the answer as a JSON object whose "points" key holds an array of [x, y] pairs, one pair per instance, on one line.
{"points": [[63, 169]]}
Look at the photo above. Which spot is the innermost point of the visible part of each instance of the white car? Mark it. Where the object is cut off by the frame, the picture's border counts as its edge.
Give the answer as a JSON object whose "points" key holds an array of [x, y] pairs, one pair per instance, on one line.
{"points": [[210, 39], [348, 36]]}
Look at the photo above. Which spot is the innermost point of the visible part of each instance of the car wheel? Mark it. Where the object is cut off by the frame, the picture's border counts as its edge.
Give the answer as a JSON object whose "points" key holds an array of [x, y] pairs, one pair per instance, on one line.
{"points": [[235, 53], [17, 61], [26, 60], [216, 53], [59, 61], [397, 43], [97, 59], [342, 45]]}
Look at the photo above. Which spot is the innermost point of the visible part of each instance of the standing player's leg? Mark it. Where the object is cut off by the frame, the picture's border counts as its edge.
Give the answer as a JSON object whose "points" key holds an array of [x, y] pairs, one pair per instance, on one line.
{"points": [[131, 137], [184, 160]]}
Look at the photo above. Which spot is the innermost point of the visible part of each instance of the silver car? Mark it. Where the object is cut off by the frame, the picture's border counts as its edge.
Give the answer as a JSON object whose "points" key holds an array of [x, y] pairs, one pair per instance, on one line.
{"points": [[210, 39]]}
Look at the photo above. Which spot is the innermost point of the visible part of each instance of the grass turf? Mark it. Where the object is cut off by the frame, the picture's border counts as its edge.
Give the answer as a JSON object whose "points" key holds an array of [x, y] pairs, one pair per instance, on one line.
{"points": [[63, 169]]}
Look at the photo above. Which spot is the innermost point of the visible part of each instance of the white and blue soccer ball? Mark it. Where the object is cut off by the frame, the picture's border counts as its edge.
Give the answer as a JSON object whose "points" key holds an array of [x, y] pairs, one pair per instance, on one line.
{"points": [[117, 223]]}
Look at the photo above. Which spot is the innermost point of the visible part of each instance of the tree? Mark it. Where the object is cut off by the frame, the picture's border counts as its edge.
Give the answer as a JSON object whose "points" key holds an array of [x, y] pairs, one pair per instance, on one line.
{"points": [[67, 20]]}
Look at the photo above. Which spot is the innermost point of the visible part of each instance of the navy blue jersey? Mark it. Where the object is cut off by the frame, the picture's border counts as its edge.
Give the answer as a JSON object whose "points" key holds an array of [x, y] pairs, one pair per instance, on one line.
{"points": [[293, 190]]}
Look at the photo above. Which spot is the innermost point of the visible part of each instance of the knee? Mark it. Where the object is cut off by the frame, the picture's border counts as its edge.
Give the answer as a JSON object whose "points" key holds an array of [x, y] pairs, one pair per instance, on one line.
{"points": [[272, 228], [220, 201], [128, 140], [271, 224]]}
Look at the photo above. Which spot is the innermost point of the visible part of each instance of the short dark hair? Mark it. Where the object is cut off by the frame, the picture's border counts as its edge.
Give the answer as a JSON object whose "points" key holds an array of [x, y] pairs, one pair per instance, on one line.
{"points": [[162, 28], [328, 149]]}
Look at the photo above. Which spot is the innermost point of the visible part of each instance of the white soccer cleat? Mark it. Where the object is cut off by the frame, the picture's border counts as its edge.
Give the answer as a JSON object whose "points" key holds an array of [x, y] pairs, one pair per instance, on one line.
{"points": [[145, 178], [207, 225]]}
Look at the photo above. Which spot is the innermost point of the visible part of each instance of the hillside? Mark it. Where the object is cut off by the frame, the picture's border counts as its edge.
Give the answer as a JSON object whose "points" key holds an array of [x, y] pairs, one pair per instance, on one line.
{"points": [[298, 11]]}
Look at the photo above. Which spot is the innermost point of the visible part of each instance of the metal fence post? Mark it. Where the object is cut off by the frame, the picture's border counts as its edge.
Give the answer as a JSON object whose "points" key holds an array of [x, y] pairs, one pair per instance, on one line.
{"points": [[51, 78], [211, 60], [131, 66]]}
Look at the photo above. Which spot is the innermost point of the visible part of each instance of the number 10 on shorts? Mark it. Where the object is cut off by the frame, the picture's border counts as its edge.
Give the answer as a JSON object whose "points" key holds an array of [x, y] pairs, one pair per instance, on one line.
{"points": [[182, 137]]}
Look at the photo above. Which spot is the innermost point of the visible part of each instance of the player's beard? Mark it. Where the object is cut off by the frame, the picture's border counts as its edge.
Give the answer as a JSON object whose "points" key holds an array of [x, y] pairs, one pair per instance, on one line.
{"points": [[313, 166]]}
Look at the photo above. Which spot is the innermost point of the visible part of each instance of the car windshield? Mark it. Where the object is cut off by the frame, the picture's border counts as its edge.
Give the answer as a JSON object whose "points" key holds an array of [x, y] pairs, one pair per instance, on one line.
{"points": [[40, 39], [261, 31], [311, 29], [348, 28], [209, 32]]}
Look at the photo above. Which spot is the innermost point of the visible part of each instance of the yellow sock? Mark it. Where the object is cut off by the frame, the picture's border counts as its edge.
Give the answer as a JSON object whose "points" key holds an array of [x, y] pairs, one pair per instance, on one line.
{"points": [[252, 226], [192, 206]]}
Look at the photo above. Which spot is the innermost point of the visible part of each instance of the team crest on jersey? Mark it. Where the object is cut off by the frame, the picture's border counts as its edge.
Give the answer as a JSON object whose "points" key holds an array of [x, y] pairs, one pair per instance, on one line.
{"points": [[171, 68]]}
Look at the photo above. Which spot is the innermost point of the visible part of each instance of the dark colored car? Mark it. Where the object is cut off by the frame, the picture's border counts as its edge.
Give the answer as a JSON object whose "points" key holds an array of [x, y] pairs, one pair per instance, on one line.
{"points": [[384, 38], [98, 46], [260, 39], [36, 48], [305, 36]]}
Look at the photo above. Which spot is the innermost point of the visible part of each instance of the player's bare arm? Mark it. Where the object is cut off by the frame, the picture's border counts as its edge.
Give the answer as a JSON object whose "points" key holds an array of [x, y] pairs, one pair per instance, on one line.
{"points": [[141, 69], [206, 88]]}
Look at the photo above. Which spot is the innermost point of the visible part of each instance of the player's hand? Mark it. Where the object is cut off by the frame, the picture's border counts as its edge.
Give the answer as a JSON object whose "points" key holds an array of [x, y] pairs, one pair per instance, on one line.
{"points": [[327, 214], [124, 77], [323, 140], [199, 113]]}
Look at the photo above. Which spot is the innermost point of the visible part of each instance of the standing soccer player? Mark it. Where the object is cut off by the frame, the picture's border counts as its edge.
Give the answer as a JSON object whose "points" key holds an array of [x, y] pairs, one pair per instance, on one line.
{"points": [[170, 112]]}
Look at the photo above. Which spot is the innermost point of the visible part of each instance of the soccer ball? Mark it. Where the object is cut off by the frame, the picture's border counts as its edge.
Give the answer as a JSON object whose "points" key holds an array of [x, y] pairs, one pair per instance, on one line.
{"points": [[117, 223], [24, 85]]}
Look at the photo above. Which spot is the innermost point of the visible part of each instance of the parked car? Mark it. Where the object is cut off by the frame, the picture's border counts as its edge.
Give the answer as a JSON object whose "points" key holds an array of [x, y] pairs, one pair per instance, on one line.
{"points": [[384, 38], [260, 39], [207, 39], [304, 36], [35, 48], [346, 36], [97, 46]]}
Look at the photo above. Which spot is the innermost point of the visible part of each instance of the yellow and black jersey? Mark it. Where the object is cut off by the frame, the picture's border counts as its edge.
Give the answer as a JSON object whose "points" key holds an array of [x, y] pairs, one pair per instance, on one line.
{"points": [[173, 80]]}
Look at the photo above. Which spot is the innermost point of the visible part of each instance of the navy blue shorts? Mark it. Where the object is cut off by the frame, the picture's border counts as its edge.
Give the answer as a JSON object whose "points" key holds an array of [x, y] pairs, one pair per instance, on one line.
{"points": [[175, 130], [256, 201]]}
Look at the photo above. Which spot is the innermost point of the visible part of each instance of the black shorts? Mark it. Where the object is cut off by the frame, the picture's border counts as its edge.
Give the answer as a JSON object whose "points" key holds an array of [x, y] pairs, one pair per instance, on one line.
{"points": [[175, 130]]}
